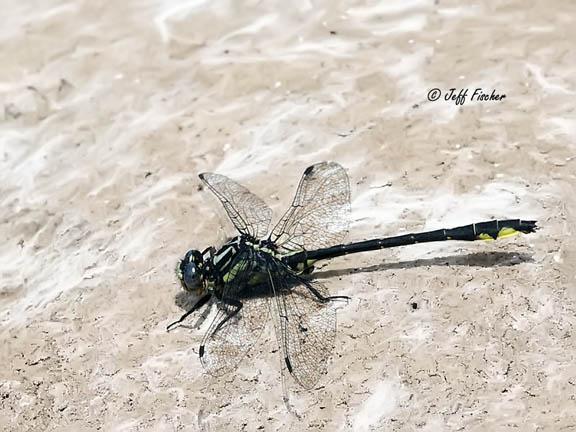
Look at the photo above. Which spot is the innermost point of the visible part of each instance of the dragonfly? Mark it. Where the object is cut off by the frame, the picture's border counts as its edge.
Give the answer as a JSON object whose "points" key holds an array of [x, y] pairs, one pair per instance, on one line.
{"points": [[264, 275]]}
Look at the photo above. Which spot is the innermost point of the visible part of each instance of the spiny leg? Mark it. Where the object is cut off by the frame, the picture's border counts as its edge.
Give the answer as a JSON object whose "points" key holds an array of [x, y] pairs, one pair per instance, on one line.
{"points": [[230, 302], [203, 300], [325, 298]]}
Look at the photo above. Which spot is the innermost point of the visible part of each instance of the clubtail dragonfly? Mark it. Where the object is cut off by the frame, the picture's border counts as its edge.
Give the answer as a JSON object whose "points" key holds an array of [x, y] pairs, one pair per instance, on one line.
{"points": [[261, 275]]}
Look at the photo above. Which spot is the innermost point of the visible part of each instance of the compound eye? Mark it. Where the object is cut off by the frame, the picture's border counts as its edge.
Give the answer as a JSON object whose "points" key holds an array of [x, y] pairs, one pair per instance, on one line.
{"points": [[190, 276]]}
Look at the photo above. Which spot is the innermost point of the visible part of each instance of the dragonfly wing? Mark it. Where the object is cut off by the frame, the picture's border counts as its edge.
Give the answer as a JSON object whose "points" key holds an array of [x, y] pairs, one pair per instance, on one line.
{"points": [[305, 325], [240, 319], [249, 214], [319, 214]]}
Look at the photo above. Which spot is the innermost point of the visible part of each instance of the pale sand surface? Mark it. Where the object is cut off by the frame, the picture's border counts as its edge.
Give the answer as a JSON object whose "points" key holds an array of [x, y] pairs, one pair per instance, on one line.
{"points": [[111, 109]]}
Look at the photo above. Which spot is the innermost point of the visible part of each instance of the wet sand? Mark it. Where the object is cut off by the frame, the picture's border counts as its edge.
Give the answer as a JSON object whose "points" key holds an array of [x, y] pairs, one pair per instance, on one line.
{"points": [[110, 110]]}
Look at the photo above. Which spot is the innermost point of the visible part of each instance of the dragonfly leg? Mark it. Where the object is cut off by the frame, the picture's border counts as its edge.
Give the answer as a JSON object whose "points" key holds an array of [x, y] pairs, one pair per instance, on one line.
{"points": [[229, 302], [210, 251], [203, 300], [324, 298], [308, 270]]}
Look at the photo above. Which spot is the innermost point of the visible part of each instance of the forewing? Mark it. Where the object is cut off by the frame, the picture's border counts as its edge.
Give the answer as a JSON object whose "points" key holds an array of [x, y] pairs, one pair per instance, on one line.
{"points": [[231, 336], [249, 214], [305, 325], [319, 214]]}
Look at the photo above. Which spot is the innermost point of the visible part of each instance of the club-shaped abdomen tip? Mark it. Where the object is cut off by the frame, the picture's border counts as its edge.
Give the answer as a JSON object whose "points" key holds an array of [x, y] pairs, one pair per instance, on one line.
{"points": [[201, 352]]}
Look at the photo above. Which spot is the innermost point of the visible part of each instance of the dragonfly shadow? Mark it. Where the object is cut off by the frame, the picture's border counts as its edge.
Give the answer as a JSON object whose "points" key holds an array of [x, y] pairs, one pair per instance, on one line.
{"points": [[185, 300], [480, 259]]}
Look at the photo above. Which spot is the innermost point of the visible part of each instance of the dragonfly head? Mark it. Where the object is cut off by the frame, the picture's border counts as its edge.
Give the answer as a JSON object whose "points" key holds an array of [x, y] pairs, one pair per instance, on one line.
{"points": [[189, 272]]}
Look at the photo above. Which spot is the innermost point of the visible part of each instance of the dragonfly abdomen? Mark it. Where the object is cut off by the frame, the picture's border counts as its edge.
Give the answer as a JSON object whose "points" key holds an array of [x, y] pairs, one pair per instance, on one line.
{"points": [[490, 230]]}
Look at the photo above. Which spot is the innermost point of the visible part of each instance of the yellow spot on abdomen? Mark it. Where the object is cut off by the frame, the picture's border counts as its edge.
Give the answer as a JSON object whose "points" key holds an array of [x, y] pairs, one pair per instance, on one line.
{"points": [[503, 233], [484, 236], [507, 232]]}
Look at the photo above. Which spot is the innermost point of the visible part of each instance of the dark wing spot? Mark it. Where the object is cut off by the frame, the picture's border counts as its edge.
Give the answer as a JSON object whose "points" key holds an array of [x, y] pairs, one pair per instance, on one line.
{"points": [[309, 170], [288, 364]]}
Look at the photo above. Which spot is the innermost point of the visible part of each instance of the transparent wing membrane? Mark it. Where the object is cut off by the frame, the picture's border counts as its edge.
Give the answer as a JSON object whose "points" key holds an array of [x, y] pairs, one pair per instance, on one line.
{"points": [[319, 214], [305, 324], [249, 214], [242, 315], [304, 319]]}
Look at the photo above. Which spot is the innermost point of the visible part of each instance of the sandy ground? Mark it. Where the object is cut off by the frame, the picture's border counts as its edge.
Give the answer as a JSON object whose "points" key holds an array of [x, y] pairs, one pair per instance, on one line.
{"points": [[111, 109]]}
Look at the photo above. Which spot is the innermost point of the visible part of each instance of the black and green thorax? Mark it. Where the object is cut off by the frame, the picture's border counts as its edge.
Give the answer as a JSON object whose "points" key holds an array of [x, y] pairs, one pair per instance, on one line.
{"points": [[242, 253]]}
